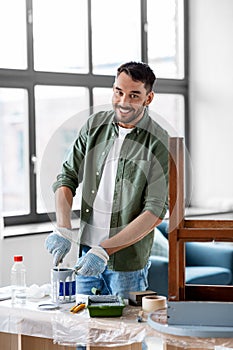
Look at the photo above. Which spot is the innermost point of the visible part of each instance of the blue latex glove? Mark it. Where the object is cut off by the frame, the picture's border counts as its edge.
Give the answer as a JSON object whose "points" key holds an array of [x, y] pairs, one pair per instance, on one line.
{"points": [[93, 263], [58, 246]]}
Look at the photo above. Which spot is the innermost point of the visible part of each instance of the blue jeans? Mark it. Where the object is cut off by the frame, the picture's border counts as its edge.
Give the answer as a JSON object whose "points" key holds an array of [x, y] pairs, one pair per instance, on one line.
{"points": [[113, 282]]}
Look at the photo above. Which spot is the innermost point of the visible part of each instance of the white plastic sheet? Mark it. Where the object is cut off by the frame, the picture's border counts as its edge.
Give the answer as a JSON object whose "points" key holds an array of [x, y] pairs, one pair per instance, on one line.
{"points": [[81, 329], [70, 329], [189, 342]]}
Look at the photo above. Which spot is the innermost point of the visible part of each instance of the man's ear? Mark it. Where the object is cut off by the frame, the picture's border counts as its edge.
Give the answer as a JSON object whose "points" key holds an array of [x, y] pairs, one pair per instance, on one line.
{"points": [[150, 97]]}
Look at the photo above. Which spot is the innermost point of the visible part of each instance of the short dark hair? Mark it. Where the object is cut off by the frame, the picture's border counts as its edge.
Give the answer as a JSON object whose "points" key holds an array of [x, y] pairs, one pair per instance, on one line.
{"points": [[139, 71]]}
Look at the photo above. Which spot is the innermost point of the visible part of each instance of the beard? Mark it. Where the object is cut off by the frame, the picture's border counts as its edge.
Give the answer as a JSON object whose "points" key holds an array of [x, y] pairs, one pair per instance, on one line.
{"points": [[127, 115]]}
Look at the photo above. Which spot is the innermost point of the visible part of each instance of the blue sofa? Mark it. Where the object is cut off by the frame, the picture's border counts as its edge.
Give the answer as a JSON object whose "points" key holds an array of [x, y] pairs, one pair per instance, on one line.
{"points": [[206, 263]]}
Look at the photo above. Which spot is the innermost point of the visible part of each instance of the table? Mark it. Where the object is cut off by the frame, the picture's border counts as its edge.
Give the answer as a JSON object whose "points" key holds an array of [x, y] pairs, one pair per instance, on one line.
{"points": [[27, 328]]}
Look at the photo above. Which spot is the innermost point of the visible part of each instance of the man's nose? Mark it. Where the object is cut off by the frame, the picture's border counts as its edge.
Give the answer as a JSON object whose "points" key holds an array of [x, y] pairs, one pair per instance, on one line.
{"points": [[124, 100]]}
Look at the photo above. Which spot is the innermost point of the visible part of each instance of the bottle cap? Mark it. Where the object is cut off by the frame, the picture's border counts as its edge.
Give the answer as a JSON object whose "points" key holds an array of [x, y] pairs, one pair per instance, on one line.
{"points": [[18, 258]]}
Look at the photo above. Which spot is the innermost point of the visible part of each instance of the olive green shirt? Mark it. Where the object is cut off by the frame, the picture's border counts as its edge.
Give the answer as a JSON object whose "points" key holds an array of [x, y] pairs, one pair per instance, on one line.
{"points": [[141, 181]]}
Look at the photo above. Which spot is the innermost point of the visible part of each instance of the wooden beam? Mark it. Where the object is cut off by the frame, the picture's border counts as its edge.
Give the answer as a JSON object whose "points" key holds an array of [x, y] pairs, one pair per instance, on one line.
{"points": [[208, 293], [208, 223], [176, 214], [205, 234]]}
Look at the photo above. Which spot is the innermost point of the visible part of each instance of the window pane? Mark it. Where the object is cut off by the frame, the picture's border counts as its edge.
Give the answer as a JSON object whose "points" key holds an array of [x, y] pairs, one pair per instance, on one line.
{"points": [[60, 111], [168, 110], [166, 38], [115, 34], [60, 35], [14, 151], [13, 34], [102, 98]]}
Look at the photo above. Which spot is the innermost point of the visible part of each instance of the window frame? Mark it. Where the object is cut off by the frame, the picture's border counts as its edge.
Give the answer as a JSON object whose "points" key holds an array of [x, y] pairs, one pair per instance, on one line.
{"points": [[29, 78]]}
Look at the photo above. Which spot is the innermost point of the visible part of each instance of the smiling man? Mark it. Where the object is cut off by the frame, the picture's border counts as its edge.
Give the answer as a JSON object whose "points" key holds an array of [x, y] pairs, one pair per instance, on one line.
{"points": [[121, 157], [130, 98]]}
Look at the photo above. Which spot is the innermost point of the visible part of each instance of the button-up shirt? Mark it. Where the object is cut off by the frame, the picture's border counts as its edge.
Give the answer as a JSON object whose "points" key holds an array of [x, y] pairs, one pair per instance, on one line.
{"points": [[141, 180]]}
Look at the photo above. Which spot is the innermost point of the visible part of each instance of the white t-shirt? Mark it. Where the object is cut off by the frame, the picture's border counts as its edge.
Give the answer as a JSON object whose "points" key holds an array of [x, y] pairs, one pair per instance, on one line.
{"points": [[98, 229]]}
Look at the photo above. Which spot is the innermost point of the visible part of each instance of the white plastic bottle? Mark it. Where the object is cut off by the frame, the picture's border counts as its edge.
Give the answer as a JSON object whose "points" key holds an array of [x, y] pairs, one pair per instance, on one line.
{"points": [[18, 281]]}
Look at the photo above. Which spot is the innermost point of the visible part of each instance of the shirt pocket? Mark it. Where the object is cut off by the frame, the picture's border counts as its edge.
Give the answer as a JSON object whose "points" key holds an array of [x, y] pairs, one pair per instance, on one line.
{"points": [[137, 172]]}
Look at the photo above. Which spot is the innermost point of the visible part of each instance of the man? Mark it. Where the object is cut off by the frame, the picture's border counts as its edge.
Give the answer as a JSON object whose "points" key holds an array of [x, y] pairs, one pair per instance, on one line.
{"points": [[121, 157]]}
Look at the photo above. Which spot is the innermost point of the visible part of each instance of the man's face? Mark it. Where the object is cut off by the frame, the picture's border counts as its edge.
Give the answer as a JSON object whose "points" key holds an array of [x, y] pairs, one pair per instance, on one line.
{"points": [[129, 100]]}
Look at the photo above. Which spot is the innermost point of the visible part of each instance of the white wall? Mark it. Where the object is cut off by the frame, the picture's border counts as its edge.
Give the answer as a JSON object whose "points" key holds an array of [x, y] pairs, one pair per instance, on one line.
{"points": [[37, 260], [211, 101]]}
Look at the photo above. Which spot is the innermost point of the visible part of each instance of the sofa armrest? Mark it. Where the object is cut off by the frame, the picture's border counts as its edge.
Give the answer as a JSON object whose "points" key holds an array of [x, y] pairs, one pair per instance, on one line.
{"points": [[158, 275], [209, 254]]}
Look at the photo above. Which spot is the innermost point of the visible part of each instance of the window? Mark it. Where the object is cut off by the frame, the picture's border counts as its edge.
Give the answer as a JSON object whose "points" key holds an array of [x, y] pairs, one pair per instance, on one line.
{"points": [[62, 106], [166, 38], [58, 63], [167, 109], [115, 38], [60, 36], [13, 37], [14, 151]]}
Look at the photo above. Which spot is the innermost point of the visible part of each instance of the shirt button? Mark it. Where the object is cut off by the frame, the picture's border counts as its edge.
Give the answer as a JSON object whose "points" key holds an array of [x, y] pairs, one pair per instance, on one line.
{"points": [[92, 191], [97, 173], [103, 153], [87, 210], [113, 134]]}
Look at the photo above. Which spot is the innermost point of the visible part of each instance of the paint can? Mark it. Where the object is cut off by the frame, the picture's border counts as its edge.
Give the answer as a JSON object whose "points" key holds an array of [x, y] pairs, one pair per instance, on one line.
{"points": [[62, 285]]}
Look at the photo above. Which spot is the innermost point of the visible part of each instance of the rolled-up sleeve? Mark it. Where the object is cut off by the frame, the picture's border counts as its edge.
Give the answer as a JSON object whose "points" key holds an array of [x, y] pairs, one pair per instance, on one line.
{"points": [[156, 196], [72, 169]]}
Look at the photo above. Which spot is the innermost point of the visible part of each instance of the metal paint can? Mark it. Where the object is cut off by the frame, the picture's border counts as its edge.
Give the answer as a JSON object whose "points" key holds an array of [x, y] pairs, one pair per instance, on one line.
{"points": [[62, 285]]}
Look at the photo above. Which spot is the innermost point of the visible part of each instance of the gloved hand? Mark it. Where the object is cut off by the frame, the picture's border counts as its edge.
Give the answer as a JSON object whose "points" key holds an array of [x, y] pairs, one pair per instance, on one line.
{"points": [[58, 244], [93, 263]]}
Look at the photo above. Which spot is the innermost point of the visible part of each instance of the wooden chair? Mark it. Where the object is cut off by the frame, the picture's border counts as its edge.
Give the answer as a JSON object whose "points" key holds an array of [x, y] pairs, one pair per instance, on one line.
{"points": [[183, 230]]}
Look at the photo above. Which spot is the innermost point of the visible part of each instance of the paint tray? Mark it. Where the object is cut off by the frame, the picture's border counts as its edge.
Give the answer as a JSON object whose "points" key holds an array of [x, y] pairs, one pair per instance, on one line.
{"points": [[105, 305]]}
